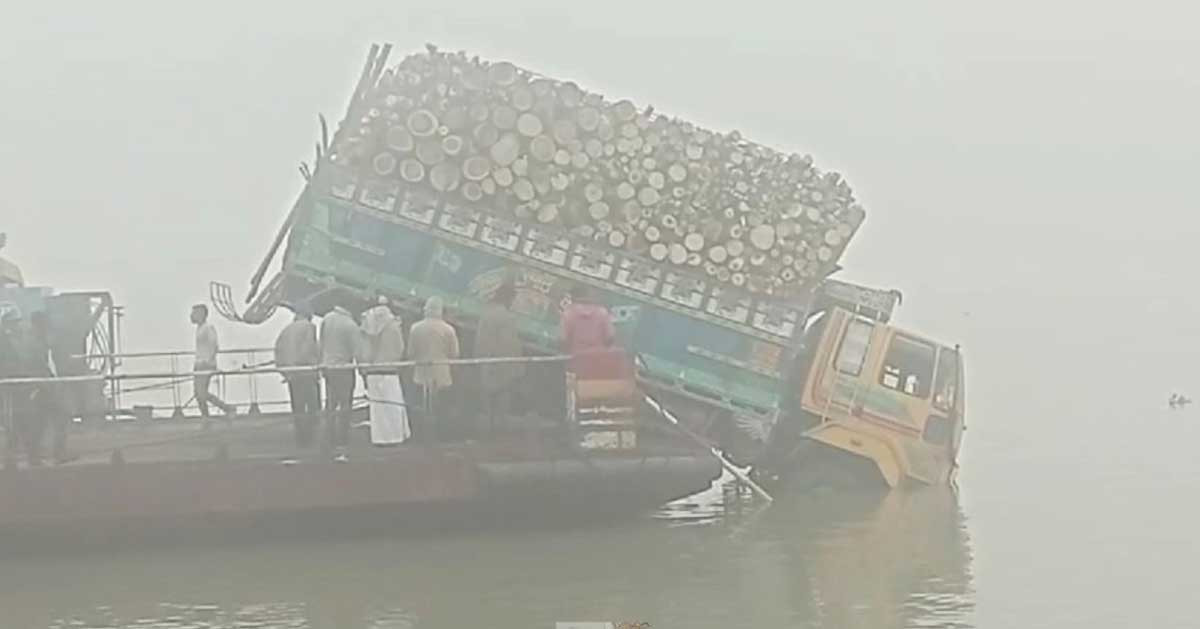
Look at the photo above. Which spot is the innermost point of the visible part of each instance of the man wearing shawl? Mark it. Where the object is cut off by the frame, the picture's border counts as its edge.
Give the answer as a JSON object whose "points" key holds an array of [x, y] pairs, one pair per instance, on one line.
{"points": [[297, 346], [339, 341], [431, 342], [383, 342], [499, 337]]}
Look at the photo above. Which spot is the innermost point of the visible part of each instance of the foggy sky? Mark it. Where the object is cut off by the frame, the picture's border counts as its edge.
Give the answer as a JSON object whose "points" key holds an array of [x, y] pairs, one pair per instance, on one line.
{"points": [[1027, 169], [1028, 165], [1028, 172]]}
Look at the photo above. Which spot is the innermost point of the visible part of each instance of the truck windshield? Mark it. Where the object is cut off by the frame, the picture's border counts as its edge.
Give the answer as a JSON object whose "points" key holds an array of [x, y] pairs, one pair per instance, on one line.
{"points": [[908, 367], [945, 382], [854, 347]]}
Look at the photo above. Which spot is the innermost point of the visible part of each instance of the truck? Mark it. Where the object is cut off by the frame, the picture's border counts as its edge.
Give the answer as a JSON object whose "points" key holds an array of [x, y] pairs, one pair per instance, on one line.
{"points": [[450, 176]]}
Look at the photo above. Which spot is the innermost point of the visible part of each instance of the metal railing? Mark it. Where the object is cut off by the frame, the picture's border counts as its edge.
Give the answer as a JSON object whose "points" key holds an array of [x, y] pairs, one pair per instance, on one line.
{"points": [[532, 399], [159, 392], [262, 387]]}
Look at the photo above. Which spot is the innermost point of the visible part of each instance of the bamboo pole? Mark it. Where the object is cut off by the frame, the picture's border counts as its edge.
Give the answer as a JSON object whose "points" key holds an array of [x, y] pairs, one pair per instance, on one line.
{"points": [[701, 441]]}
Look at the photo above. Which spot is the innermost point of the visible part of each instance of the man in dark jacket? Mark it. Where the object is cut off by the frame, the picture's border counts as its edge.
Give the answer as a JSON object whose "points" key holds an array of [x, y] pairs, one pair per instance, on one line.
{"points": [[46, 409], [339, 348], [12, 397], [297, 347], [19, 356], [499, 337]]}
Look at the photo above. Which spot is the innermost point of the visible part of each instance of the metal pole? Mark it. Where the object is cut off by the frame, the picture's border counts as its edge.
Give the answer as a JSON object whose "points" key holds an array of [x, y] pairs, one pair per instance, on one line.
{"points": [[286, 370], [10, 429], [743, 478], [111, 362], [254, 409], [177, 412]]}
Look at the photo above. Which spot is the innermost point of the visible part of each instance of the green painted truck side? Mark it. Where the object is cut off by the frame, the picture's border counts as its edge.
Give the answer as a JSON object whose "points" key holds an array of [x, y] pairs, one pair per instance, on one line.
{"points": [[727, 348]]}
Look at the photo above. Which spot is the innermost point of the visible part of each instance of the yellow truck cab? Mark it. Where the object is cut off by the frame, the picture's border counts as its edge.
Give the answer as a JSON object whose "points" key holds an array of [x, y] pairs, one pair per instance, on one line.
{"points": [[868, 400]]}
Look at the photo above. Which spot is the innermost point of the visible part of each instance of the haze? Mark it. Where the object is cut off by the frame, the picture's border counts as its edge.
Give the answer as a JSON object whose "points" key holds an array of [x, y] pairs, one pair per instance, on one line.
{"points": [[1027, 168]]}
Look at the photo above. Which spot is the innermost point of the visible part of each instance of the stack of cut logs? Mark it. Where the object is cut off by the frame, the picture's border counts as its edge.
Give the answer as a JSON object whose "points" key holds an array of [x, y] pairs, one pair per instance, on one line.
{"points": [[506, 141]]}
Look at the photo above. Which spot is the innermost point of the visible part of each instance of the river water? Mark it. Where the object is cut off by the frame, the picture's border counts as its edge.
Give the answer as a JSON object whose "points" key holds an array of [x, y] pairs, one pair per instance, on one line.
{"points": [[1101, 534], [709, 561]]}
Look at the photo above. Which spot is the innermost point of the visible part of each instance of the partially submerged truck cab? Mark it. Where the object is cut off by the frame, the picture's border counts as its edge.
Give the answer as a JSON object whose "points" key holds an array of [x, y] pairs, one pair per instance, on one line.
{"points": [[867, 399]]}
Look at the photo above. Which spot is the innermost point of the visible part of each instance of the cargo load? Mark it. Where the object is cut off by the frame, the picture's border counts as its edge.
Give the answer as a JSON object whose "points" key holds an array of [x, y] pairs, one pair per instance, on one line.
{"points": [[519, 148]]}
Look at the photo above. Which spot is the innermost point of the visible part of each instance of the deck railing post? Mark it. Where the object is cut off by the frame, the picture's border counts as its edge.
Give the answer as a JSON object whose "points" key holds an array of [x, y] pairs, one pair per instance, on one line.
{"points": [[177, 413], [10, 429], [255, 410]]}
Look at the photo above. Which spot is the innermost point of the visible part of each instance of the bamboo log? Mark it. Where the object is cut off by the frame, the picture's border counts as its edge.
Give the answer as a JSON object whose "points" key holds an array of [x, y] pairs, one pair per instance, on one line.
{"points": [[422, 123], [476, 167], [506, 150], [384, 164], [472, 191], [504, 177], [529, 125], [504, 117], [444, 177], [399, 139], [412, 170]]}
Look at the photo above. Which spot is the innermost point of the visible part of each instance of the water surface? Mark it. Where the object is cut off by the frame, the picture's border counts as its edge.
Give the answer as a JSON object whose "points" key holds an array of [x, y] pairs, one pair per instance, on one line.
{"points": [[709, 561]]}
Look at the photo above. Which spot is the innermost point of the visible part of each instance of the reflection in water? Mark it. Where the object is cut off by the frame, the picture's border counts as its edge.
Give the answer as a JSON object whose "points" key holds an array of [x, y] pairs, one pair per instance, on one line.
{"points": [[900, 560]]}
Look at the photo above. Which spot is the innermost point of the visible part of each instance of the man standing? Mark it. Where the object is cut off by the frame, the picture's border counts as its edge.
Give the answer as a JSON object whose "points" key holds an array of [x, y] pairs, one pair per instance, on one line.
{"points": [[586, 324], [16, 401], [207, 348], [498, 337], [589, 338], [10, 343], [297, 347], [339, 347], [431, 341], [383, 342], [10, 274], [49, 399]]}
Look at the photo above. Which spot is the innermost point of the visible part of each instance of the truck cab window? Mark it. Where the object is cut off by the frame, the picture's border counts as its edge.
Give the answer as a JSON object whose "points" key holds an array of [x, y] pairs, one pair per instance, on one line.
{"points": [[945, 381], [908, 367], [853, 351]]}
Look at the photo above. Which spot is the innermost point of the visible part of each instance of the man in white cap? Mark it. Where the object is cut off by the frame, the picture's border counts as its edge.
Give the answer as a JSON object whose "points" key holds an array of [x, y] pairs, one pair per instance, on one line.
{"points": [[432, 341], [383, 343]]}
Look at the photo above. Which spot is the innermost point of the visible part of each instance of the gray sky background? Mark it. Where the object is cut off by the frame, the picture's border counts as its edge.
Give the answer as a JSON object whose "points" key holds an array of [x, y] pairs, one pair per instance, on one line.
{"points": [[1027, 168]]}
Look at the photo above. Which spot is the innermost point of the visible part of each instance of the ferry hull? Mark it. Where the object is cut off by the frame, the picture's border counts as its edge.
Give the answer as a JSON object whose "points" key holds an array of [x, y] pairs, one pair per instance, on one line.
{"points": [[411, 487]]}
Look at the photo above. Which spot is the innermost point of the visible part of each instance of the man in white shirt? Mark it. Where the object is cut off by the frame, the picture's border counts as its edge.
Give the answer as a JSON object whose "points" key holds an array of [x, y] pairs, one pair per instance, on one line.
{"points": [[207, 348]]}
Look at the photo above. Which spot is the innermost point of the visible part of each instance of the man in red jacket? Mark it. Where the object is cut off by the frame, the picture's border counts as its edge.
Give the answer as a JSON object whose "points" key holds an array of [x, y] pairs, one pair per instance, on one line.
{"points": [[586, 325], [589, 337]]}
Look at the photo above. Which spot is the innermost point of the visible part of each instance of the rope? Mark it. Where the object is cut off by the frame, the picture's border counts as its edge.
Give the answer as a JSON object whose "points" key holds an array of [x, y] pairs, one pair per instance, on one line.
{"points": [[370, 400], [155, 387]]}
